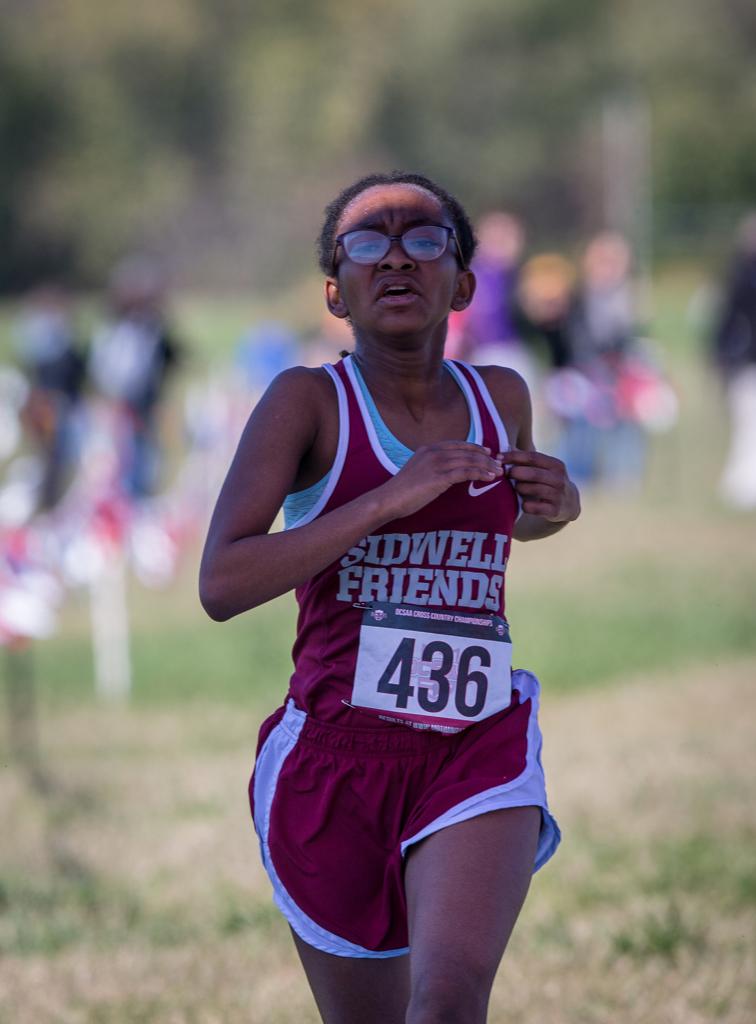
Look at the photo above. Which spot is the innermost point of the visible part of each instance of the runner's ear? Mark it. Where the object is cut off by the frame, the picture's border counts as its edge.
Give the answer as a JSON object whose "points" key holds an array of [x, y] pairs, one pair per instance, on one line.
{"points": [[464, 290], [335, 303]]}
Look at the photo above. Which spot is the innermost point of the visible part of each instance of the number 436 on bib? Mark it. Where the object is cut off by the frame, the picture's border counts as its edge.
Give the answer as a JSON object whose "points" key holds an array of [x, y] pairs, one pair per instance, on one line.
{"points": [[433, 668]]}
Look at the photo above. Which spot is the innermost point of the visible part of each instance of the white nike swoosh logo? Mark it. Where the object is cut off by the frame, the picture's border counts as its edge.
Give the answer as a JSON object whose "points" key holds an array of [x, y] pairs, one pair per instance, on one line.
{"points": [[474, 491]]}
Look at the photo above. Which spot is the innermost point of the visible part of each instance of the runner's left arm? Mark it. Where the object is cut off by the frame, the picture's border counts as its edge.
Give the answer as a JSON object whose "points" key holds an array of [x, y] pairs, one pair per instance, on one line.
{"points": [[549, 498]]}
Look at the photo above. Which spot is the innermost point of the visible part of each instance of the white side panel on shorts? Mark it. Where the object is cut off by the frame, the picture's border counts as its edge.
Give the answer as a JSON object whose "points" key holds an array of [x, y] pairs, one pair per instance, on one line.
{"points": [[527, 790], [277, 747]]}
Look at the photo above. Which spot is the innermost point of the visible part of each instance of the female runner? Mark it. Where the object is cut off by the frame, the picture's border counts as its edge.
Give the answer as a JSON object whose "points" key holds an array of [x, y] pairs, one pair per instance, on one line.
{"points": [[398, 796]]}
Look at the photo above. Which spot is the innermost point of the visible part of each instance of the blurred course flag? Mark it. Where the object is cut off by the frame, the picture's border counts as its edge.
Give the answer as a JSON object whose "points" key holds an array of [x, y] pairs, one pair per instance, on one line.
{"points": [[97, 533]]}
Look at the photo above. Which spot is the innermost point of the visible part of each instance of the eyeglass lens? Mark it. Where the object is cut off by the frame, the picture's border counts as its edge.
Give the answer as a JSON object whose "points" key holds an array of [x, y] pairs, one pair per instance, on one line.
{"points": [[424, 243]]}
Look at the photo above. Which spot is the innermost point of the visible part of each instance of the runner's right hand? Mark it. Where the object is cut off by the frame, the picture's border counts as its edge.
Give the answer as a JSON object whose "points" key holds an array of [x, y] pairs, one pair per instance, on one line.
{"points": [[433, 469]]}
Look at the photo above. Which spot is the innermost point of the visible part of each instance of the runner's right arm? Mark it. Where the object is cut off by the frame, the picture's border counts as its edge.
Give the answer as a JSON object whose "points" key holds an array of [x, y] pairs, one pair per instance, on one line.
{"points": [[243, 565]]}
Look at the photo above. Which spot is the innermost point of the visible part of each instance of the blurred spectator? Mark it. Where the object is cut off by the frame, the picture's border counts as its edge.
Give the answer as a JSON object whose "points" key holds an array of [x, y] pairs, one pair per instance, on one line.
{"points": [[734, 344], [132, 354], [489, 332], [544, 297], [263, 352], [603, 318], [54, 364], [610, 393], [334, 337], [598, 443]]}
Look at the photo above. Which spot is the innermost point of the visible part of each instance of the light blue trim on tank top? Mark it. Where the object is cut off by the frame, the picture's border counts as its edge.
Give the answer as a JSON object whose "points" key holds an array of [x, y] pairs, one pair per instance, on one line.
{"points": [[299, 503]]}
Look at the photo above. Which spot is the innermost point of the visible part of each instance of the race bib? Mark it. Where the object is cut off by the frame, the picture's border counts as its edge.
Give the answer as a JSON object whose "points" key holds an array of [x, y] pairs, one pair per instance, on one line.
{"points": [[432, 669]]}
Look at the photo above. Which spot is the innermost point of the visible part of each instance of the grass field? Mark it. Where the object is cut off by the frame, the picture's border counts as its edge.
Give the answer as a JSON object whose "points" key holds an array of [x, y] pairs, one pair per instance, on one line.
{"points": [[130, 888]]}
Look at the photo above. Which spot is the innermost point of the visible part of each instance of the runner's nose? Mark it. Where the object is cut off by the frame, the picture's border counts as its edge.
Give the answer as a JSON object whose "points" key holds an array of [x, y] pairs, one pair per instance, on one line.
{"points": [[396, 258]]}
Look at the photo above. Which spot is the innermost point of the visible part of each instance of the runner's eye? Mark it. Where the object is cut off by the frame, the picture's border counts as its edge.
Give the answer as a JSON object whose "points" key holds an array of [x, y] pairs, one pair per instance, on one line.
{"points": [[425, 243], [366, 246]]}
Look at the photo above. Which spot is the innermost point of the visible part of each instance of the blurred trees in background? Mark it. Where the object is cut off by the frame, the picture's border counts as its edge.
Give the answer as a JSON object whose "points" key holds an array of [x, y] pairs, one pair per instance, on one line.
{"points": [[213, 134]]}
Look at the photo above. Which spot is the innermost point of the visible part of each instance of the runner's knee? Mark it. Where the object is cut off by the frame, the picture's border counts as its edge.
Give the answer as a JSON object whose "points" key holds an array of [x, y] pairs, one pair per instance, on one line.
{"points": [[457, 997]]}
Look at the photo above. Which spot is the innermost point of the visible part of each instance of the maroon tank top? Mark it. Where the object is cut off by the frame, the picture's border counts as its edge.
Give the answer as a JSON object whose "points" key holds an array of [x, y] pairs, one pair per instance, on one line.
{"points": [[446, 560]]}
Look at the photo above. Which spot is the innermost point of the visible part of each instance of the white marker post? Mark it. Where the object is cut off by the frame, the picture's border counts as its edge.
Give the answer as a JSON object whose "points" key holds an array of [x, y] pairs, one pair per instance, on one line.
{"points": [[110, 628]]}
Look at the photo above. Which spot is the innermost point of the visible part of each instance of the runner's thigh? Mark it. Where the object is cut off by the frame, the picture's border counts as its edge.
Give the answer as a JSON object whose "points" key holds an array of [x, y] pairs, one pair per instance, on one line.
{"points": [[465, 887], [348, 990]]}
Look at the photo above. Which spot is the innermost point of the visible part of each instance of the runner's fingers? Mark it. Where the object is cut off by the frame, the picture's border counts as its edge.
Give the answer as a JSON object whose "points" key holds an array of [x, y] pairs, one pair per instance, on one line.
{"points": [[469, 461], [516, 457], [538, 493], [545, 476], [468, 446], [470, 471], [538, 508], [538, 490], [469, 468]]}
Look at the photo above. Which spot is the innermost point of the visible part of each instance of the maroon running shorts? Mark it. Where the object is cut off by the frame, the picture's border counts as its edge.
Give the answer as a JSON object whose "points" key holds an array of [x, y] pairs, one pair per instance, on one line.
{"points": [[336, 810]]}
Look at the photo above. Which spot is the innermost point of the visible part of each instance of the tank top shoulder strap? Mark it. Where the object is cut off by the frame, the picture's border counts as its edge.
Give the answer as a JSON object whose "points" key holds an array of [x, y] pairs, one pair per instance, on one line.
{"points": [[366, 432], [493, 431], [334, 474], [357, 465], [359, 422]]}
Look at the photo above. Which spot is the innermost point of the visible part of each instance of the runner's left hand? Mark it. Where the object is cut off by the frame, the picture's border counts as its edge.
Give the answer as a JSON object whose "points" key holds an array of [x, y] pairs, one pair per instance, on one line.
{"points": [[542, 483]]}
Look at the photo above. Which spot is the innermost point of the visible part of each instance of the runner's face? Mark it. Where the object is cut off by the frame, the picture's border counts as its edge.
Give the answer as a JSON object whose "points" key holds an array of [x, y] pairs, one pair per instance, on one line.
{"points": [[399, 295]]}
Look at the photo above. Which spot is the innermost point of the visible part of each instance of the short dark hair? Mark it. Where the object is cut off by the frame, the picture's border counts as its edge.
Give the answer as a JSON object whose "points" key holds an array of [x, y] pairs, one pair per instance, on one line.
{"points": [[334, 210]]}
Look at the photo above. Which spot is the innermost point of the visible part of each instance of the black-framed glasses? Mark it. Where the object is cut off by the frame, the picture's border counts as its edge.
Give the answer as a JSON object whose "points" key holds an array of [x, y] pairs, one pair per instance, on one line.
{"points": [[424, 243]]}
